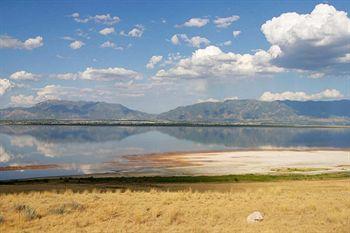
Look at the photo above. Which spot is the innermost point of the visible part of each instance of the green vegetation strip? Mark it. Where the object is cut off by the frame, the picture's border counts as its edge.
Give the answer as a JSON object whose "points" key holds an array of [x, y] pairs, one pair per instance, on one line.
{"points": [[183, 179], [299, 169]]}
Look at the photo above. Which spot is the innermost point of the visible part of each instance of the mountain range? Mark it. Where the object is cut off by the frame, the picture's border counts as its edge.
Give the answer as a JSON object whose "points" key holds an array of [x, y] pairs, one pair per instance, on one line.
{"points": [[62, 109], [229, 111]]}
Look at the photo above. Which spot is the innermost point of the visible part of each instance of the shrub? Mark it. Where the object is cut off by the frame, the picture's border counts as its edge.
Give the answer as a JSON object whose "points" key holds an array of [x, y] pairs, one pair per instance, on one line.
{"points": [[28, 212], [74, 205], [19, 207], [67, 208], [59, 210], [2, 219]]}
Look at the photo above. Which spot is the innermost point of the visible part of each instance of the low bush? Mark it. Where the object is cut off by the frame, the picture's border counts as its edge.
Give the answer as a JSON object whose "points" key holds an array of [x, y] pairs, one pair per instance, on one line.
{"points": [[28, 212], [66, 208]]}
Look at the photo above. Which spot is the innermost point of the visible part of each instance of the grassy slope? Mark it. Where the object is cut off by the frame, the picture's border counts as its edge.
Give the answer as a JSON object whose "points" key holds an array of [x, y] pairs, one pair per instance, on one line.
{"points": [[288, 206]]}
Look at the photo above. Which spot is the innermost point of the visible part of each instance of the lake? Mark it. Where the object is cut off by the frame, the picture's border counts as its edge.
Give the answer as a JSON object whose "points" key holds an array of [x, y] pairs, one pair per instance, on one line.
{"points": [[41, 151]]}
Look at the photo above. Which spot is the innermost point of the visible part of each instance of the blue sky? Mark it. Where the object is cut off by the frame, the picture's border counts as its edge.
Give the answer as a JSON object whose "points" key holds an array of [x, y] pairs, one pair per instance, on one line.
{"points": [[202, 51]]}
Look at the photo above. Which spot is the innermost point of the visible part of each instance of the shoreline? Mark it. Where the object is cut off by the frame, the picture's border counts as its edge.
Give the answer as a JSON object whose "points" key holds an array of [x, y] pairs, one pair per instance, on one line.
{"points": [[239, 162], [144, 123]]}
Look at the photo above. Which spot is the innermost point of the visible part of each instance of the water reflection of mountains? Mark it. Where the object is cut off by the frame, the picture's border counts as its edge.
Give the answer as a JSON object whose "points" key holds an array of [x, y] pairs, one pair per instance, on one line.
{"points": [[228, 136], [263, 136], [74, 134]]}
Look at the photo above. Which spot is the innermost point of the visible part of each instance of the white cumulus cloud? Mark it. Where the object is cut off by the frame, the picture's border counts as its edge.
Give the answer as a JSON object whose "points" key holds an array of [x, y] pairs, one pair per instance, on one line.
{"points": [[153, 61], [24, 75], [196, 41], [301, 96], [110, 44], [315, 42], [137, 31], [195, 22], [106, 19], [106, 74], [224, 22], [214, 100], [7, 42], [231, 98], [5, 85], [23, 100], [175, 40], [76, 44], [107, 31], [225, 43], [236, 33], [212, 62], [209, 100], [67, 76], [48, 92]]}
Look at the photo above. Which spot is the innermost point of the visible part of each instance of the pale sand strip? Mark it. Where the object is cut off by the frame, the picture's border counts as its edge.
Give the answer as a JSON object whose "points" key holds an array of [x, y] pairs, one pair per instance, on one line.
{"points": [[263, 161], [272, 160]]}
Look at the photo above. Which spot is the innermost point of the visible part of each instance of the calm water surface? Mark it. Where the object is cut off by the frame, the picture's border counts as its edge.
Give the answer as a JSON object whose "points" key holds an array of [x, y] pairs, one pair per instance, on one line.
{"points": [[73, 150]]}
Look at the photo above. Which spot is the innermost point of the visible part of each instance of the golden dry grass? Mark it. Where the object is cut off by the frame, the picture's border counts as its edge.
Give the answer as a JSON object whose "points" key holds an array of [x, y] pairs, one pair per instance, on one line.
{"points": [[289, 206]]}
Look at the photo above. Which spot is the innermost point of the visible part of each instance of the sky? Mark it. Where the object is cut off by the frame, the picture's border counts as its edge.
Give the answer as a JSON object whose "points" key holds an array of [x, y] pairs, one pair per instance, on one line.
{"points": [[156, 55]]}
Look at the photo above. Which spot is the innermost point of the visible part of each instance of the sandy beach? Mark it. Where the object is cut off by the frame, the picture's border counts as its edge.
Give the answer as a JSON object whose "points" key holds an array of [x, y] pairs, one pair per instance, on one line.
{"points": [[265, 161], [262, 161]]}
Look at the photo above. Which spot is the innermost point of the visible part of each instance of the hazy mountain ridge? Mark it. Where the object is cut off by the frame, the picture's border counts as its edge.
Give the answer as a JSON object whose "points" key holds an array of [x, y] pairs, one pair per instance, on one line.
{"points": [[233, 111], [261, 111], [57, 109], [321, 109]]}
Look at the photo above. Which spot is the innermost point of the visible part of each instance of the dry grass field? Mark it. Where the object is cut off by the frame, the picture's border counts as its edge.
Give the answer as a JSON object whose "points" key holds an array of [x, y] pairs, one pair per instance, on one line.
{"points": [[288, 206]]}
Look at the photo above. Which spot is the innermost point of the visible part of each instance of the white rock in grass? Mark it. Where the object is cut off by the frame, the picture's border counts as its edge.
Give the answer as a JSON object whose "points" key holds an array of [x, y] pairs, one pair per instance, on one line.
{"points": [[256, 216]]}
